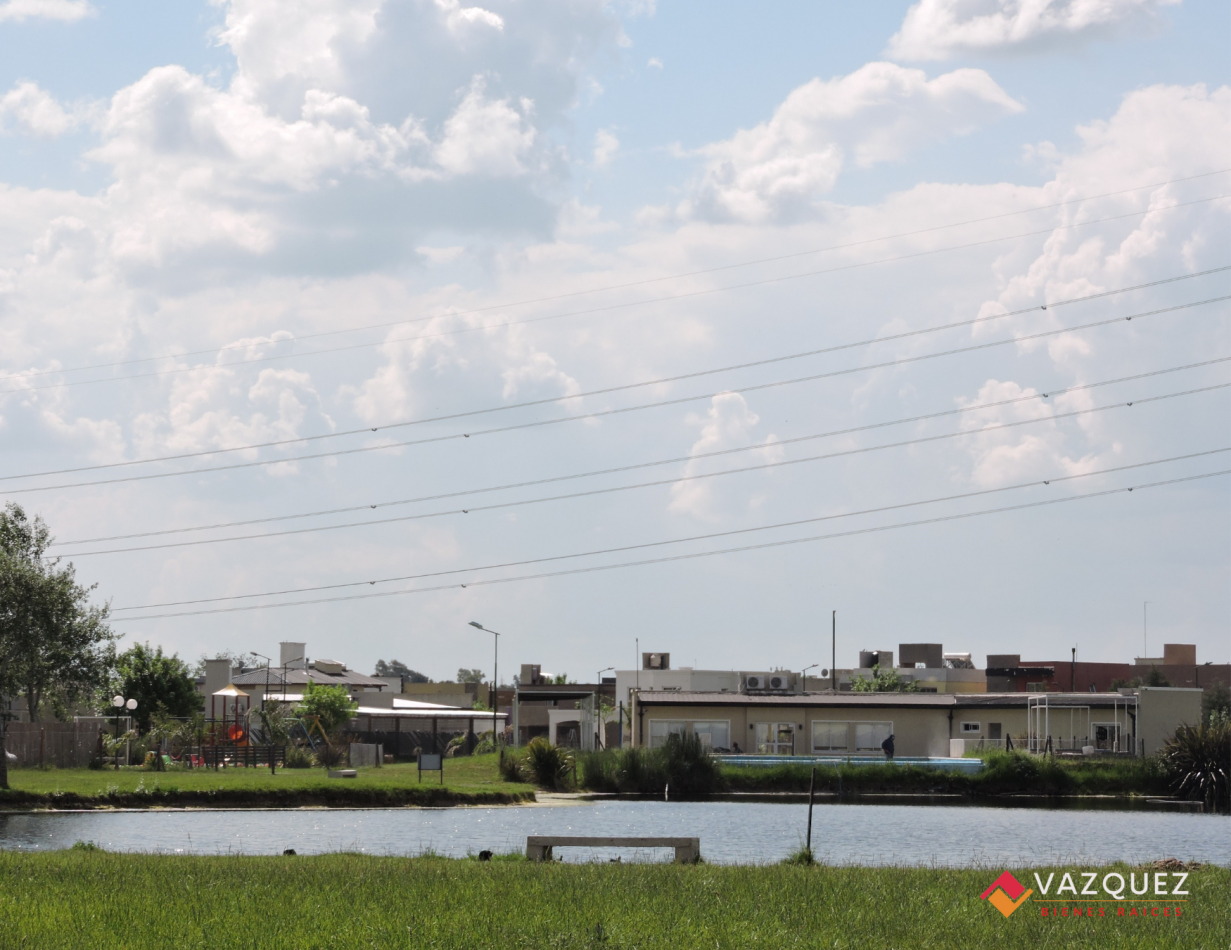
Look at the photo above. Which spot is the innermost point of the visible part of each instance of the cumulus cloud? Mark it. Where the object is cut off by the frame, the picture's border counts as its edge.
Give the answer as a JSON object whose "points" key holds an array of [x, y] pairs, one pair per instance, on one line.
{"points": [[27, 107], [878, 113], [605, 147], [66, 11], [486, 136], [728, 424], [942, 29], [459, 17], [1158, 133]]}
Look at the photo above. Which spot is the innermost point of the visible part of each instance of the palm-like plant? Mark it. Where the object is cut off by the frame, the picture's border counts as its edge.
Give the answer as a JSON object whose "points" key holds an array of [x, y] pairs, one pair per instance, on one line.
{"points": [[1198, 761]]}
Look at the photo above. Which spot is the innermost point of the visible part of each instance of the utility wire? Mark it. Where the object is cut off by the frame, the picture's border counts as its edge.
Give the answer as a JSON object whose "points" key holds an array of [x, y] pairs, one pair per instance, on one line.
{"points": [[635, 283], [686, 557], [978, 407], [614, 389], [613, 412], [620, 306], [720, 534]]}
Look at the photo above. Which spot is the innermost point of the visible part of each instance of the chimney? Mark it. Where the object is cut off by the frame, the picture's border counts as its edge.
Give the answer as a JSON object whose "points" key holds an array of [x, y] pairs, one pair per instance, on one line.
{"points": [[293, 655]]}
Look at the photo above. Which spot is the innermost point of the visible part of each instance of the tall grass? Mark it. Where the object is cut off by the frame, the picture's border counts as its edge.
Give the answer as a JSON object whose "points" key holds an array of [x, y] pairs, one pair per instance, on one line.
{"points": [[681, 767], [70, 900]]}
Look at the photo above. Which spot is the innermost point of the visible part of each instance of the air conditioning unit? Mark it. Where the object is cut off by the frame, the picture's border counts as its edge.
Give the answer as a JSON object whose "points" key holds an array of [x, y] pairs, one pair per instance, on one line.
{"points": [[779, 682], [754, 681]]}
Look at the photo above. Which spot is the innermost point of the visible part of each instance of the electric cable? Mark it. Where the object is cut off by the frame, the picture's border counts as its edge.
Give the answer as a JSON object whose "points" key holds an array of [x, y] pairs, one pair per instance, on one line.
{"points": [[619, 488], [612, 307], [691, 556], [612, 412], [621, 388], [786, 524]]}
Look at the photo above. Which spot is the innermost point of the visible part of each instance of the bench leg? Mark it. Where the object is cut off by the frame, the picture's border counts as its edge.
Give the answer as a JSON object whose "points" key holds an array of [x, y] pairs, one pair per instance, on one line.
{"points": [[538, 852], [687, 855]]}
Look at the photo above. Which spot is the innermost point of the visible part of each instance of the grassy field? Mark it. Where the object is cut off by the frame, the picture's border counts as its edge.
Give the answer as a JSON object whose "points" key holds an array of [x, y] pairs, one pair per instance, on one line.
{"points": [[79, 899], [474, 778]]}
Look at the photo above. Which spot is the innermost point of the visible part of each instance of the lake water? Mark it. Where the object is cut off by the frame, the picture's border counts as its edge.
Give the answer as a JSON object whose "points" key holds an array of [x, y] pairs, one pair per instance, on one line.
{"points": [[730, 832]]}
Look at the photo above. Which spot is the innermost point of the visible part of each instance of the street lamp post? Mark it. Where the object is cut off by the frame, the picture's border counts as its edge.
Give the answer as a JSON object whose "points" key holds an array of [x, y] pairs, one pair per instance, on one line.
{"points": [[803, 677], [119, 703], [495, 678]]}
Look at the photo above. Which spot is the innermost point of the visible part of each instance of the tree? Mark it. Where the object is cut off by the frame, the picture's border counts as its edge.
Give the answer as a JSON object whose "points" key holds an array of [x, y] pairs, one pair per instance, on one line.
{"points": [[160, 684], [1216, 704], [469, 676], [332, 705], [883, 681], [398, 668], [53, 644]]}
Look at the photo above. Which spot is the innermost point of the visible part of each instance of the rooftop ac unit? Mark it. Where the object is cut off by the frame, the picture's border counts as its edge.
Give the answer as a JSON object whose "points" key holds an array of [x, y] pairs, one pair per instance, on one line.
{"points": [[779, 682], [754, 682]]}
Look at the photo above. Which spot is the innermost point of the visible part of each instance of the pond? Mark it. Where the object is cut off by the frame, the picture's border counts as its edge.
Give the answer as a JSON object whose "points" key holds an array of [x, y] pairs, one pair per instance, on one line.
{"points": [[730, 832]]}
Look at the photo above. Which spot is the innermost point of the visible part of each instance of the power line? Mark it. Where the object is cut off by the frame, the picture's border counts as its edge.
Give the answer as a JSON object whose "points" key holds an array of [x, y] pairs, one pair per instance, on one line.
{"points": [[978, 407], [636, 283], [621, 306], [621, 388], [692, 556], [613, 412], [699, 537]]}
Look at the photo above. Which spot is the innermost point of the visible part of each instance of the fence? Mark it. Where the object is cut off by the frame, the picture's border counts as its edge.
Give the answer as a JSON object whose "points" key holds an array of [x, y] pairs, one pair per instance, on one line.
{"points": [[64, 745]]}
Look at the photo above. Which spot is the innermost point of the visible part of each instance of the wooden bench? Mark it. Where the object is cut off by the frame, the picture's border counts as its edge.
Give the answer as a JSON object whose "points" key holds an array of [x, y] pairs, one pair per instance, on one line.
{"points": [[539, 847]]}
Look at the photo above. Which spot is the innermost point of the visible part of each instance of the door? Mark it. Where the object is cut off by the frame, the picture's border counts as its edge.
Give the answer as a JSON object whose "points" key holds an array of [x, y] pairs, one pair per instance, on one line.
{"points": [[776, 738]]}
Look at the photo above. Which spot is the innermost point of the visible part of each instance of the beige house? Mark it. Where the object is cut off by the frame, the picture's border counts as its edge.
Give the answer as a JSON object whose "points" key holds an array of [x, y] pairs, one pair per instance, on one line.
{"points": [[923, 724]]}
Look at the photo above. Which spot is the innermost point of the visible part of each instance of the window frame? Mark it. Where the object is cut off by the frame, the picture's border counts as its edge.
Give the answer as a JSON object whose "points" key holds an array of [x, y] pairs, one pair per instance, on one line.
{"points": [[872, 723], [830, 723], [978, 727]]}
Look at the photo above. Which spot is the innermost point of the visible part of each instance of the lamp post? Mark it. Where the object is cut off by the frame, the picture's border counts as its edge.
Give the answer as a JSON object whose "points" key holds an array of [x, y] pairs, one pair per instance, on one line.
{"points": [[803, 677], [495, 677], [120, 703]]}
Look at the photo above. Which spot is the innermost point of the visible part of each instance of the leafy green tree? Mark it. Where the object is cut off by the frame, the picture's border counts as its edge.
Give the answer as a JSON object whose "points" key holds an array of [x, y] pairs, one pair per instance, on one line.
{"points": [[54, 645], [398, 668], [162, 685], [883, 681], [332, 705], [1216, 704], [469, 676]]}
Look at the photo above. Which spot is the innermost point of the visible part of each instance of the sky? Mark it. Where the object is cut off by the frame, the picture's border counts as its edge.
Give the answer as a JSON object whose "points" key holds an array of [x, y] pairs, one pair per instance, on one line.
{"points": [[879, 309]]}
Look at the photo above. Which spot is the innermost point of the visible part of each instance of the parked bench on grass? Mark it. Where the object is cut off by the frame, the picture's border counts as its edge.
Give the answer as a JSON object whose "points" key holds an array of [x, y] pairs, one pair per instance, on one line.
{"points": [[539, 847]]}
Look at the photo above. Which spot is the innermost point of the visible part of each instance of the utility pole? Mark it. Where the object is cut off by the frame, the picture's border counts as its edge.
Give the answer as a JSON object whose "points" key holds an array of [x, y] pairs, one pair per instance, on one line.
{"points": [[1073, 672], [833, 659], [1145, 628]]}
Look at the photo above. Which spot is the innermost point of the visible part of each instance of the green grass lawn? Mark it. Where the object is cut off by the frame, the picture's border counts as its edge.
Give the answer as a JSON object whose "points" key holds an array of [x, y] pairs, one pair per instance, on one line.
{"points": [[80, 899], [466, 776]]}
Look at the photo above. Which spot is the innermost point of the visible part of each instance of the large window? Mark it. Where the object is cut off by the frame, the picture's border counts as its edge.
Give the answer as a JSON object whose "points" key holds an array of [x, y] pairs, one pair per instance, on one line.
{"points": [[661, 728], [870, 735], [714, 736], [830, 736], [776, 738]]}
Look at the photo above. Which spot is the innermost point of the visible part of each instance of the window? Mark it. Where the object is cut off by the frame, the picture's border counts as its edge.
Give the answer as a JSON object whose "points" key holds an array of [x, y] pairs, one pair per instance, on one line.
{"points": [[870, 735], [993, 730], [971, 727], [660, 729], [830, 736], [714, 736], [776, 738]]}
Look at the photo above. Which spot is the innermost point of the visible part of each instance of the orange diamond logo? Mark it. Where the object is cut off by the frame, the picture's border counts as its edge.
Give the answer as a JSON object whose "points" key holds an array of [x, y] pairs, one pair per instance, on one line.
{"points": [[1006, 894]]}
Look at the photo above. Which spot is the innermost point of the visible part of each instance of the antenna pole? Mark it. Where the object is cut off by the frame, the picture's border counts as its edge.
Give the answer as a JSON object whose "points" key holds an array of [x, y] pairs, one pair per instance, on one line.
{"points": [[833, 659]]}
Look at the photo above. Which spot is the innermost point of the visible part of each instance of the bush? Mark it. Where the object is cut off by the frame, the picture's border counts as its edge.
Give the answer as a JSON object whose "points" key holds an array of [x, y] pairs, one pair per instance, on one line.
{"points": [[297, 757], [547, 764], [682, 764], [1198, 764], [512, 765]]}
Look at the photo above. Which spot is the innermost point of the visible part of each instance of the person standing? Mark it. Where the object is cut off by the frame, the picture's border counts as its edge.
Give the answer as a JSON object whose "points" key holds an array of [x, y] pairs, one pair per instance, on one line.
{"points": [[887, 746]]}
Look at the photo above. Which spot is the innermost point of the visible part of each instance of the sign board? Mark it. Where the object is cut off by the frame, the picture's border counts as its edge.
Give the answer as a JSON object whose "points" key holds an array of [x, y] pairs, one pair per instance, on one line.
{"points": [[432, 762]]}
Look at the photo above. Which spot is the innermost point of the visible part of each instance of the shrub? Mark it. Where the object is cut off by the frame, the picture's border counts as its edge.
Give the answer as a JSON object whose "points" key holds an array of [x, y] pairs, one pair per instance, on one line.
{"points": [[297, 757], [682, 764], [512, 765], [547, 764], [1198, 764]]}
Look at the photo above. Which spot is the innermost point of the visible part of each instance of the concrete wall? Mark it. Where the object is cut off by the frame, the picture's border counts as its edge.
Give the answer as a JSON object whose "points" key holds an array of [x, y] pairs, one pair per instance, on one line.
{"points": [[461, 695], [1161, 710]]}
